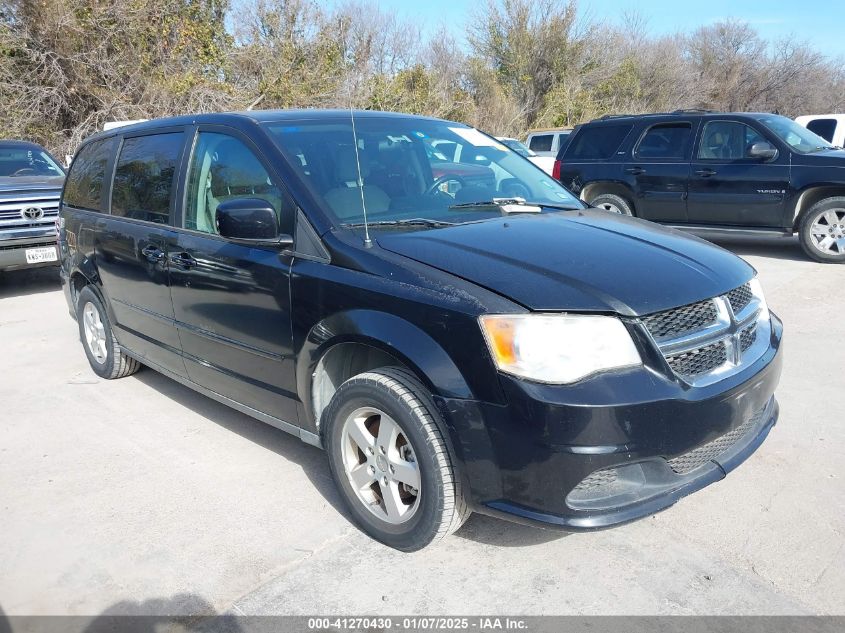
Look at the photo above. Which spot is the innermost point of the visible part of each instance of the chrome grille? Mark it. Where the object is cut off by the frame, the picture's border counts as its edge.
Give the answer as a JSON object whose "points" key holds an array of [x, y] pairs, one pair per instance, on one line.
{"points": [[681, 320], [687, 462], [747, 337], [707, 340], [12, 206], [699, 361], [740, 297]]}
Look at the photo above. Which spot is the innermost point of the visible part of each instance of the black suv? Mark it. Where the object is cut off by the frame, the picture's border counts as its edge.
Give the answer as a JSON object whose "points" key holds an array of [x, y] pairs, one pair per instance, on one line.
{"points": [[30, 186], [455, 345], [713, 173]]}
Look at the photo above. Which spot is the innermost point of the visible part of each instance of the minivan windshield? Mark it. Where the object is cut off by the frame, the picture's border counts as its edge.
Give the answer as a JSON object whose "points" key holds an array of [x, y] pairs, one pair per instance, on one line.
{"points": [[20, 160], [418, 173], [796, 136]]}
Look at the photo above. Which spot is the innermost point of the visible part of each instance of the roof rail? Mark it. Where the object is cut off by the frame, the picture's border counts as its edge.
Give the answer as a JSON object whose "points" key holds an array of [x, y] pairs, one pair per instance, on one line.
{"points": [[692, 111], [614, 116]]}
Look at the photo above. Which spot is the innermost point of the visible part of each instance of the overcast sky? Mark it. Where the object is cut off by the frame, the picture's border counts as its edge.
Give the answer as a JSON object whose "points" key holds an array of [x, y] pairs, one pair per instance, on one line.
{"points": [[819, 22]]}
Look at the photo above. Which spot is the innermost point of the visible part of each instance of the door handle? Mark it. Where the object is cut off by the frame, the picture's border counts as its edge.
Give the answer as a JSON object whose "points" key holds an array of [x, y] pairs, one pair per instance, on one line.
{"points": [[152, 253], [705, 172], [183, 260], [635, 170]]}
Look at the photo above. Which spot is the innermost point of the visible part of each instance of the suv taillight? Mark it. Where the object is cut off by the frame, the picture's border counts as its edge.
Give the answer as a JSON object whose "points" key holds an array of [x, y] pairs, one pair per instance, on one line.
{"points": [[556, 170]]}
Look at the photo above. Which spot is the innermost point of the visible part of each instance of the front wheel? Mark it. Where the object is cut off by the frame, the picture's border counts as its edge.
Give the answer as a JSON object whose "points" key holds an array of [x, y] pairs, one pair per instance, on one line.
{"points": [[822, 231], [612, 203], [390, 461]]}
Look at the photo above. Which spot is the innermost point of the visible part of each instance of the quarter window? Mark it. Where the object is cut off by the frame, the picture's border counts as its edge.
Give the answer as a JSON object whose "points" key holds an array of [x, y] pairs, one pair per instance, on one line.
{"points": [[144, 177], [727, 140], [598, 142], [666, 141], [85, 182], [224, 168], [541, 143]]}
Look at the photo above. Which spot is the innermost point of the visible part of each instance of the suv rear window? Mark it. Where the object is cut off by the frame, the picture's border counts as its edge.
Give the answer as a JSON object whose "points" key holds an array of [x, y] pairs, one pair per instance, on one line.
{"points": [[823, 127], [144, 177], [665, 140], [597, 142], [84, 189]]}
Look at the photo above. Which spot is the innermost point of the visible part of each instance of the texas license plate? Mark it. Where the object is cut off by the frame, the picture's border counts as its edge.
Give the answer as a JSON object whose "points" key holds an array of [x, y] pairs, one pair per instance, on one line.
{"points": [[42, 254]]}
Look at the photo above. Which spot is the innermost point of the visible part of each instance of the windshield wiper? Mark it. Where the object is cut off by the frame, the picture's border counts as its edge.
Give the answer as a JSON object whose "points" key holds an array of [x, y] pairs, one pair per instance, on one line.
{"points": [[408, 222], [507, 205], [515, 205]]}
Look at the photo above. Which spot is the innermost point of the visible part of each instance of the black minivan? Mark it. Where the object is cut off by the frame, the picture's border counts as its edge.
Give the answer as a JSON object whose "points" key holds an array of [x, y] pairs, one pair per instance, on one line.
{"points": [[460, 336]]}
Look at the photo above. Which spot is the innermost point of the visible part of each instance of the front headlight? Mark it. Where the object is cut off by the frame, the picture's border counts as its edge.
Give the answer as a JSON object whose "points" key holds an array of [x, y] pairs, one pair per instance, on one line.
{"points": [[558, 348]]}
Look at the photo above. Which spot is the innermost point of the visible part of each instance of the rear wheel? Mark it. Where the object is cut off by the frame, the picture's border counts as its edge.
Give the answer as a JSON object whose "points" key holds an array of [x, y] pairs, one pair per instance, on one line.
{"points": [[104, 354], [822, 231], [612, 203], [390, 461]]}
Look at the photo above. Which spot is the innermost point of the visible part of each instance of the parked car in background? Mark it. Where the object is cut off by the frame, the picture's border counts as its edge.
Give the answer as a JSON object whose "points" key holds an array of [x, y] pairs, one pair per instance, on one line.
{"points": [[546, 163], [30, 187], [713, 173], [831, 127], [547, 142], [526, 358]]}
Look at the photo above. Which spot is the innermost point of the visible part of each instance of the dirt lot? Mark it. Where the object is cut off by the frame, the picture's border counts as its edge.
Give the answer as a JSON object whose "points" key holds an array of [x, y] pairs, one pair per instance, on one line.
{"points": [[138, 495]]}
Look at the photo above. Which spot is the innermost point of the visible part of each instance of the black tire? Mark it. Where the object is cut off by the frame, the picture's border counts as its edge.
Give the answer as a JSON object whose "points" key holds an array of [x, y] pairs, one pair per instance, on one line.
{"points": [[612, 203], [811, 243], [115, 364], [441, 506]]}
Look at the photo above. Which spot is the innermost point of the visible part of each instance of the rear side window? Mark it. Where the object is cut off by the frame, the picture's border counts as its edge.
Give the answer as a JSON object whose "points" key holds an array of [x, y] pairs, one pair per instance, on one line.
{"points": [[597, 142], [85, 187], [541, 143], [823, 127], [667, 141], [144, 177]]}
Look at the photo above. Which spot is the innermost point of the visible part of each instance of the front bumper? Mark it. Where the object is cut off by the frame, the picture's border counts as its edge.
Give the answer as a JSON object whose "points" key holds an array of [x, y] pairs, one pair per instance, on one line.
{"points": [[640, 440], [13, 251]]}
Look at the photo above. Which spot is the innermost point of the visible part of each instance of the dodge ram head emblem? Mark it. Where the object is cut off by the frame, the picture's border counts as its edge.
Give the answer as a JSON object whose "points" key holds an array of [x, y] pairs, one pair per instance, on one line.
{"points": [[32, 213]]}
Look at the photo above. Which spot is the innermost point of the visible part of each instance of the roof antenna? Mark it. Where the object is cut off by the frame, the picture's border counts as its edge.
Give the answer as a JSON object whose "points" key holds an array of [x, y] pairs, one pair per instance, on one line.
{"points": [[367, 241]]}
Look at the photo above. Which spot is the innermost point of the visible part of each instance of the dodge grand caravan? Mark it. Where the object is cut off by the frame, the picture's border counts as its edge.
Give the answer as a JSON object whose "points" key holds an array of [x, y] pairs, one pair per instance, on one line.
{"points": [[491, 345]]}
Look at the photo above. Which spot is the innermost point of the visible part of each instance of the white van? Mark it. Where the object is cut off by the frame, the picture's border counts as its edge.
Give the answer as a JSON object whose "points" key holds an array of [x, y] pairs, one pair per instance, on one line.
{"points": [[831, 127], [547, 142]]}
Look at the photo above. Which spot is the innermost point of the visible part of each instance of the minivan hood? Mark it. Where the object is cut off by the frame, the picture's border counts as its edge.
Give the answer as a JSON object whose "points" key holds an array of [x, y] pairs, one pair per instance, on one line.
{"points": [[578, 261]]}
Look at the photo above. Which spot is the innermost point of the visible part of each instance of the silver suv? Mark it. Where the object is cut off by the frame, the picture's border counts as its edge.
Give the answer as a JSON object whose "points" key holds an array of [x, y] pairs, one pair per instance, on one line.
{"points": [[30, 187]]}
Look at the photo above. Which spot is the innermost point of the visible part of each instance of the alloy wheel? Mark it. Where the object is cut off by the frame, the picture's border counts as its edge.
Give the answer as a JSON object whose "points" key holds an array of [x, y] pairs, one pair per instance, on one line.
{"points": [[828, 232], [95, 333], [380, 464]]}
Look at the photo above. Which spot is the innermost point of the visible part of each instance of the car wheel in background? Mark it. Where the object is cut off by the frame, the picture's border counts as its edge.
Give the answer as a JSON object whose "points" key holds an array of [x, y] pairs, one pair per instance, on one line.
{"points": [[104, 354], [612, 203], [390, 461], [822, 231]]}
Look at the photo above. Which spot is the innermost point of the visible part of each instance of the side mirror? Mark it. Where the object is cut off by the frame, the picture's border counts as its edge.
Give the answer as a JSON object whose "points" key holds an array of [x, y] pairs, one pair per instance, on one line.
{"points": [[763, 150], [250, 220]]}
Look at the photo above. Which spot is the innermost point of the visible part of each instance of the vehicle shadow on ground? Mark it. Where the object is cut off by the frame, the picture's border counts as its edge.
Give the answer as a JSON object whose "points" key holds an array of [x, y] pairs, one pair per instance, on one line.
{"points": [[492, 531], [179, 613], [312, 460], [479, 528], [786, 248], [19, 283]]}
